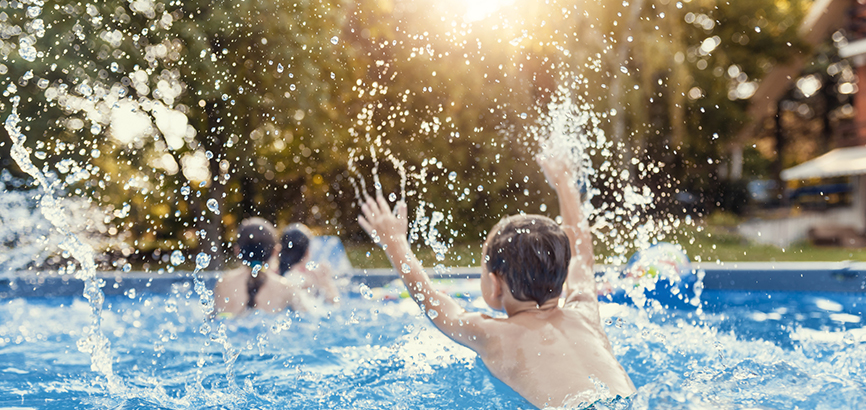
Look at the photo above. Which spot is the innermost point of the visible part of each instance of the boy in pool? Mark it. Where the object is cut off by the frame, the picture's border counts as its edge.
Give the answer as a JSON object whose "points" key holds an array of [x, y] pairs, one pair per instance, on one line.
{"points": [[257, 284], [549, 352]]}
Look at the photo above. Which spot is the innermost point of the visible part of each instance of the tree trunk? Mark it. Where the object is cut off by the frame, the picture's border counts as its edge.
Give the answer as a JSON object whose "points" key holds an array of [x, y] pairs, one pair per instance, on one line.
{"points": [[248, 196], [211, 219], [678, 87], [781, 143], [620, 137], [736, 171]]}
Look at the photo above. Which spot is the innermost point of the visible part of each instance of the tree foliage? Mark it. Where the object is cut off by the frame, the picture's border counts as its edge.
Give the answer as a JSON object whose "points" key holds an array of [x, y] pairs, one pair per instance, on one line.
{"points": [[182, 118]]}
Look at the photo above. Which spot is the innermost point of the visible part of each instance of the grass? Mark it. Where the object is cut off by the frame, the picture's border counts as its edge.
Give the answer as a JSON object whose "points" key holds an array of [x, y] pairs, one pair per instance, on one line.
{"points": [[719, 243], [711, 242]]}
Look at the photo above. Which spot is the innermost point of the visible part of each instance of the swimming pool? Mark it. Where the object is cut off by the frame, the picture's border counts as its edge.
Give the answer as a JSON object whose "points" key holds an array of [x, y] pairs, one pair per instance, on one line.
{"points": [[747, 349]]}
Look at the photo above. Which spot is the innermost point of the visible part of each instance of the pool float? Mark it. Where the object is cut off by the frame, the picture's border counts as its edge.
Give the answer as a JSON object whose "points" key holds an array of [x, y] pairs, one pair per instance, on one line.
{"points": [[330, 250], [662, 273]]}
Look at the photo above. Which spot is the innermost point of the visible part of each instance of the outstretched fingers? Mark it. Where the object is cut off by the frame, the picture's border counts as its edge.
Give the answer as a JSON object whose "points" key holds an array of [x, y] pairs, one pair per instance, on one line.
{"points": [[364, 224], [401, 210], [383, 204], [373, 210]]}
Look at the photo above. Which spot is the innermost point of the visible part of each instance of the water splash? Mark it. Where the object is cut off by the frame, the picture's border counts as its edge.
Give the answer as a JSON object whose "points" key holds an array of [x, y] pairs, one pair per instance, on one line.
{"points": [[623, 219], [94, 341], [358, 182]]}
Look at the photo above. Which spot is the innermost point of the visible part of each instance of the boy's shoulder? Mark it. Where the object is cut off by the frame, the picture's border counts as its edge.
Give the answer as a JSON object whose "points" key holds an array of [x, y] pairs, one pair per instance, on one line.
{"points": [[563, 318]]}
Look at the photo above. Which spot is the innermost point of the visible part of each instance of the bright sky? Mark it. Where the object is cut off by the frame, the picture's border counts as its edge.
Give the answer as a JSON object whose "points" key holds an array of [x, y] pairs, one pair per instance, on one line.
{"points": [[480, 9]]}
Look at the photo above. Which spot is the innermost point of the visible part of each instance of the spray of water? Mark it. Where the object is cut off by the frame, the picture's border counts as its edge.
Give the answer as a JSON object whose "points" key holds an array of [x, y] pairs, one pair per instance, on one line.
{"points": [[623, 221], [94, 341]]}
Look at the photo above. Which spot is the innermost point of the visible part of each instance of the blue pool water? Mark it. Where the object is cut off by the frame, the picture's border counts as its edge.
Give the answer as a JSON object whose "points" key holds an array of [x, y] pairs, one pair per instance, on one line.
{"points": [[745, 350]]}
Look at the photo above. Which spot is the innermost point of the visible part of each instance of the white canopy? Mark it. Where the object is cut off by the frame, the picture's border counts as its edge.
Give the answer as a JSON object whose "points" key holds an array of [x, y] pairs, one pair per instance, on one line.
{"points": [[836, 163]]}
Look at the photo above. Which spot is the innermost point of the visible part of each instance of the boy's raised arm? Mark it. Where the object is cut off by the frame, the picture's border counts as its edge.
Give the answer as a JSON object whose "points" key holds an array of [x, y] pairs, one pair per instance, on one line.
{"points": [[389, 230], [580, 284]]}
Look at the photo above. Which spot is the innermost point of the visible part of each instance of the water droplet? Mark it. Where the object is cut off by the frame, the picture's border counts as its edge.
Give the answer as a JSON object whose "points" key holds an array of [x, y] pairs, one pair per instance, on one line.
{"points": [[623, 69], [85, 90], [335, 40], [543, 207], [95, 129], [365, 291], [480, 188], [26, 50], [184, 190], [523, 116], [213, 205], [377, 185], [392, 197], [432, 314], [281, 325], [177, 258], [114, 67], [280, 68], [33, 11], [406, 268], [130, 293], [452, 176], [202, 260], [126, 268]]}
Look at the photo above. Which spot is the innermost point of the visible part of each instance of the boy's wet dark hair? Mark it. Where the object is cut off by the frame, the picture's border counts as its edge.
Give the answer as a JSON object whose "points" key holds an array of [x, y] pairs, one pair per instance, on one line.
{"points": [[532, 253], [295, 243], [257, 239]]}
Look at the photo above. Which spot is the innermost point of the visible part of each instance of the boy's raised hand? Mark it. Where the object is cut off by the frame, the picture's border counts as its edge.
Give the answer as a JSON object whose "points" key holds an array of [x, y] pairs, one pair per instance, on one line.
{"points": [[581, 280], [390, 229], [383, 225], [556, 168]]}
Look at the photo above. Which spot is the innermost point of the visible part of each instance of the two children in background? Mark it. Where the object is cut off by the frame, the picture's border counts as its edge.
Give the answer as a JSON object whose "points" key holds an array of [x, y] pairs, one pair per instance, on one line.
{"points": [[275, 275], [550, 348]]}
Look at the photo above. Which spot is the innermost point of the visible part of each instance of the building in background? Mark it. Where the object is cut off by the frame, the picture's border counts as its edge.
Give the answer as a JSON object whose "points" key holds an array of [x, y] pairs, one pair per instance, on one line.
{"points": [[827, 194]]}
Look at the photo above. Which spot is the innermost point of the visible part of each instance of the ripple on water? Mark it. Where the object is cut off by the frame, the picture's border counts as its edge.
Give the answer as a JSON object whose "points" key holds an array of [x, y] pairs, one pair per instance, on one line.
{"points": [[374, 354]]}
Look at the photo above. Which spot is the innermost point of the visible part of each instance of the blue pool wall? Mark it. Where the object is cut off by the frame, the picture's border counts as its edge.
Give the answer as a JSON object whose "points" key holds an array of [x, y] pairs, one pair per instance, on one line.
{"points": [[846, 277]]}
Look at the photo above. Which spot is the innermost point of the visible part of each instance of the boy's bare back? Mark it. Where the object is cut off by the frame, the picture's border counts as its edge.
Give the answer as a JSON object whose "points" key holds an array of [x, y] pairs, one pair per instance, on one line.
{"points": [[544, 351], [547, 355]]}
